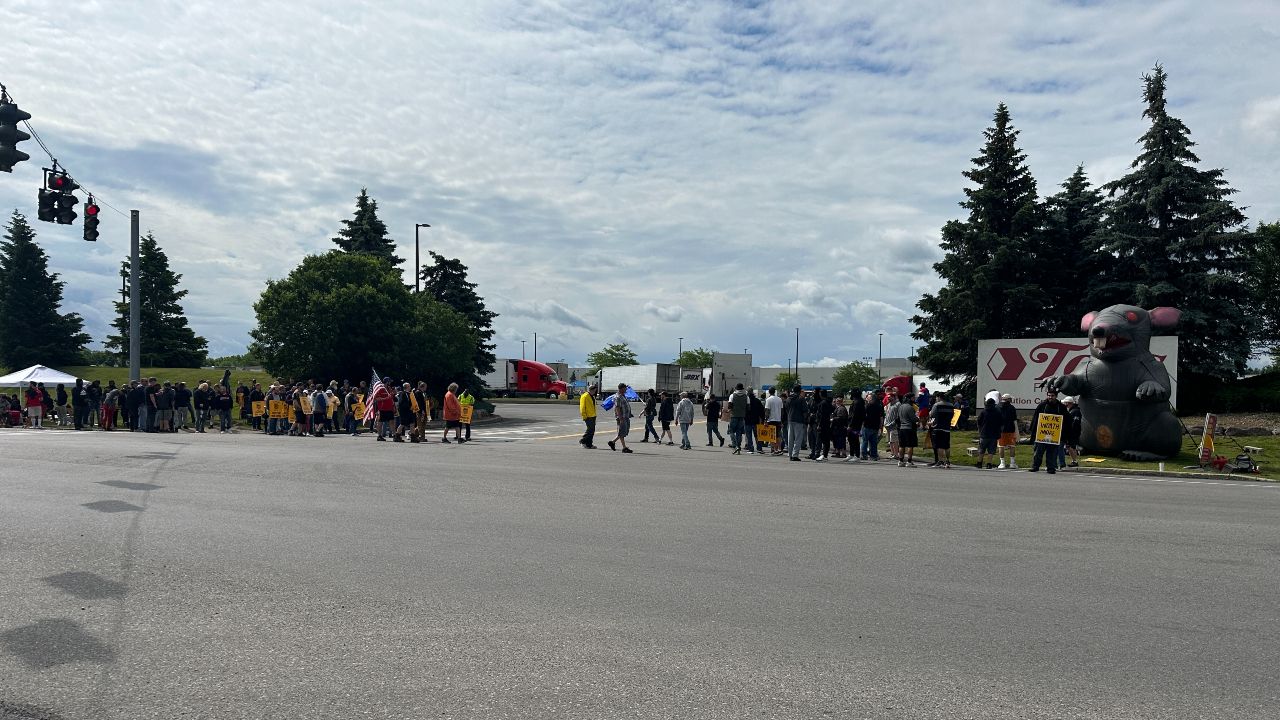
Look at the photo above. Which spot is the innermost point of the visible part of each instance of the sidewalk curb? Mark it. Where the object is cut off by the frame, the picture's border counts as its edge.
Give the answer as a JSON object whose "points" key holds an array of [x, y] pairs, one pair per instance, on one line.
{"points": [[1170, 474]]}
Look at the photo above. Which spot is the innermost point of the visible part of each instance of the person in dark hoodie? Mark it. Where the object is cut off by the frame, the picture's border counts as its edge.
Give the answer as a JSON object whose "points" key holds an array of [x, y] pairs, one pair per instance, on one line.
{"points": [[79, 404], [737, 417], [1047, 450], [1071, 430], [755, 416], [823, 407], [711, 408], [666, 414], [990, 423], [872, 422], [650, 412]]}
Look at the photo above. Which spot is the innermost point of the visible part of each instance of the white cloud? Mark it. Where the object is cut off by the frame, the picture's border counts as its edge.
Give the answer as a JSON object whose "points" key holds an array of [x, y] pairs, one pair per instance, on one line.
{"points": [[731, 173]]}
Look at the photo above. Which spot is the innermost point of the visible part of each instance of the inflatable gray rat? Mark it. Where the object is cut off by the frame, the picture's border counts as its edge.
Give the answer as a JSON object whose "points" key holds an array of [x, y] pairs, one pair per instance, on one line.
{"points": [[1123, 389]]}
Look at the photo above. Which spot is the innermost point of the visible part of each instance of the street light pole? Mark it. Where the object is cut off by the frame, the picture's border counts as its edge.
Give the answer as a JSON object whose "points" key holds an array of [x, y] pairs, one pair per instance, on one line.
{"points": [[417, 261], [880, 361], [681, 350], [798, 357], [535, 347], [521, 349]]}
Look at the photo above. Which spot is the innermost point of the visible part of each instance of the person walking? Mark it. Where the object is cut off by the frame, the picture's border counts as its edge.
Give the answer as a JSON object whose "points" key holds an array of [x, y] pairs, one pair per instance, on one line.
{"points": [[797, 422], [666, 414], [1047, 450], [755, 416], [650, 412], [622, 415], [684, 416], [737, 417], [452, 415], [1008, 432], [711, 409], [587, 410]]}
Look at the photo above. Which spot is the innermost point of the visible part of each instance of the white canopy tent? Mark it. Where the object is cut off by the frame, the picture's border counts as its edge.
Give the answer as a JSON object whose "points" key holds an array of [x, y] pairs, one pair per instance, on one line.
{"points": [[36, 373]]}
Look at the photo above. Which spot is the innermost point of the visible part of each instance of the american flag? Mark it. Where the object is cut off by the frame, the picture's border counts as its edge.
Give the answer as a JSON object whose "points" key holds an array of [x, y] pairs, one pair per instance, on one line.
{"points": [[376, 390]]}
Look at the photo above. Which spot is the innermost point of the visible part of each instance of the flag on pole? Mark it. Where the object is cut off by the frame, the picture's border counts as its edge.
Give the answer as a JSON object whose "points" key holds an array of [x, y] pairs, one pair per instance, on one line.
{"points": [[376, 391]]}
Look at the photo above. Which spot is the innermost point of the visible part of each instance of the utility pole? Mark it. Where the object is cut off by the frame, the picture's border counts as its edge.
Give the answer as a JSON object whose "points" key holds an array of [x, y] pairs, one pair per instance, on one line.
{"points": [[135, 301], [535, 347], [880, 362], [521, 349], [798, 357]]}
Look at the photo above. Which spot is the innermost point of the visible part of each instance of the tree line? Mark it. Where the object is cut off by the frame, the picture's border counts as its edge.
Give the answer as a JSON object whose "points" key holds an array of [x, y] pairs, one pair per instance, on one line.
{"points": [[1165, 234]]}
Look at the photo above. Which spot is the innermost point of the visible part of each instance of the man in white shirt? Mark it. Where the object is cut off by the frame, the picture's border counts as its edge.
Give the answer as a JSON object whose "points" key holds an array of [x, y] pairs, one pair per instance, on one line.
{"points": [[773, 416]]}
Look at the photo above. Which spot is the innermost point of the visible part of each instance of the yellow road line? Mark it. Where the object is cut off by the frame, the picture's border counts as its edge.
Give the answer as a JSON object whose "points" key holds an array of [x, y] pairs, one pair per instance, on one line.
{"points": [[564, 437]]}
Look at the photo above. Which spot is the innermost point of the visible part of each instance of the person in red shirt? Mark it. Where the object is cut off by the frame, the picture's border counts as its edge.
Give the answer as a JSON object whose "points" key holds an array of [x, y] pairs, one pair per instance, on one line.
{"points": [[386, 405], [35, 405]]}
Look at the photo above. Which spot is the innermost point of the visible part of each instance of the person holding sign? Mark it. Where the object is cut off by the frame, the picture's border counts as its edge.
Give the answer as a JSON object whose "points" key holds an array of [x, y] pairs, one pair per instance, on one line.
{"points": [[1046, 423], [466, 408]]}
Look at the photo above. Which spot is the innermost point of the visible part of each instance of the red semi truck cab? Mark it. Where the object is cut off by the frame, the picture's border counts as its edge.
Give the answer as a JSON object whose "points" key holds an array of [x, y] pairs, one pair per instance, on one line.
{"points": [[527, 377]]}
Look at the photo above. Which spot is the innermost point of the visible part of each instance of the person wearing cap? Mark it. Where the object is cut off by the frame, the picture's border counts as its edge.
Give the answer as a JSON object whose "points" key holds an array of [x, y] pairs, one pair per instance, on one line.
{"points": [[587, 409], [1071, 430], [1044, 450], [1008, 432]]}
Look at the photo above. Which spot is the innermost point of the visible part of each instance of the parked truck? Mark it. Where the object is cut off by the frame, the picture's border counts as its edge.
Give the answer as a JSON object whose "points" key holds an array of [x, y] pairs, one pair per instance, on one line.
{"points": [[726, 371], [523, 378], [653, 376]]}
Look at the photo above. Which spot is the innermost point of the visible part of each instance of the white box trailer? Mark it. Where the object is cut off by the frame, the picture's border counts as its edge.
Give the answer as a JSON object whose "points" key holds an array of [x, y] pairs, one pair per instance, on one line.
{"points": [[656, 376], [726, 371]]}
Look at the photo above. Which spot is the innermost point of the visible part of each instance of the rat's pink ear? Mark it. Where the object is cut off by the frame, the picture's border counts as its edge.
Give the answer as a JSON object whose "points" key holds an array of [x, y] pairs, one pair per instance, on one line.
{"points": [[1087, 321], [1165, 317]]}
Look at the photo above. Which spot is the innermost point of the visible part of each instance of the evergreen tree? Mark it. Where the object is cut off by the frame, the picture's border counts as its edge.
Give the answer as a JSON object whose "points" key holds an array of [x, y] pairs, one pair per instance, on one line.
{"points": [[1073, 218], [446, 281], [1177, 240], [365, 233], [32, 331], [1265, 278], [166, 339], [993, 270]]}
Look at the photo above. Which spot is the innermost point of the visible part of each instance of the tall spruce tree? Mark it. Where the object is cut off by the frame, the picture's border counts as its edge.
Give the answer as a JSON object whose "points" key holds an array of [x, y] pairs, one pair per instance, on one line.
{"points": [[1072, 220], [993, 270], [1177, 240], [365, 233], [446, 280], [166, 339], [32, 331]]}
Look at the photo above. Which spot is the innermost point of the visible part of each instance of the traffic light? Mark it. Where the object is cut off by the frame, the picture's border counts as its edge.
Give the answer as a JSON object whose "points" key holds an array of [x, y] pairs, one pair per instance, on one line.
{"points": [[67, 208], [48, 205], [91, 220], [61, 182], [10, 135]]}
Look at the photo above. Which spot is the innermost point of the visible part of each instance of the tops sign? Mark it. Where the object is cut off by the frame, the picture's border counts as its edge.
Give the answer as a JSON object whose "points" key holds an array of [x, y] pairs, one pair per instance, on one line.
{"points": [[1018, 367]]}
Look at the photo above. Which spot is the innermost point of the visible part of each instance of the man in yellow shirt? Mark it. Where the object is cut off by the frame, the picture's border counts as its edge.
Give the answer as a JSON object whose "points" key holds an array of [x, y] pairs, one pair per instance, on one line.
{"points": [[587, 408]]}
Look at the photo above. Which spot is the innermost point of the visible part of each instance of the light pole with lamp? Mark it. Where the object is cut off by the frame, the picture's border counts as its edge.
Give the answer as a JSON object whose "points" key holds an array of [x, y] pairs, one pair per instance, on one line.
{"points": [[417, 261]]}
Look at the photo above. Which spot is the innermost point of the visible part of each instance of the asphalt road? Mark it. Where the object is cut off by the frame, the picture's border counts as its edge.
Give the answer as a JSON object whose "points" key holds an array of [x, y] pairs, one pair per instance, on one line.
{"points": [[244, 576]]}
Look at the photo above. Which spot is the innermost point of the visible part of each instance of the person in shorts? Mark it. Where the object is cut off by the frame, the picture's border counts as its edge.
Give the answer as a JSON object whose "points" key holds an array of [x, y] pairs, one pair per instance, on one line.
{"points": [[1008, 432], [908, 421], [622, 414]]}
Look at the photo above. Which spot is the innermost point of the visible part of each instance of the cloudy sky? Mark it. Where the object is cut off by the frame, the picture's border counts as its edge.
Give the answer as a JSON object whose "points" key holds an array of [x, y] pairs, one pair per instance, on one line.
{"points": [[719, 171]]}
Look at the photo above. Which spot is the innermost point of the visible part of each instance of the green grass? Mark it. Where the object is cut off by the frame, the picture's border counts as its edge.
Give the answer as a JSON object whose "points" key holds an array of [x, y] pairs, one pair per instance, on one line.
{"points": [[1268, 460]]}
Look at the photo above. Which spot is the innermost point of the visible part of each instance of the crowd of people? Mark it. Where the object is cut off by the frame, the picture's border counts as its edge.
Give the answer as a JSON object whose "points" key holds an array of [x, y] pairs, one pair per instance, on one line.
{"points": [[830, 427], [396, 412]]}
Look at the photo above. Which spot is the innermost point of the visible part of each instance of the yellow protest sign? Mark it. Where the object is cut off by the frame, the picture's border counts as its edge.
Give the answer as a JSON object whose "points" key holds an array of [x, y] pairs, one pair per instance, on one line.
{"points": [[466, 412], [357, 409], [766, 433], [1049, 429], [955, 418], [306, 404], [333, 407], [413, 403], [259, 408], [277, 410]]}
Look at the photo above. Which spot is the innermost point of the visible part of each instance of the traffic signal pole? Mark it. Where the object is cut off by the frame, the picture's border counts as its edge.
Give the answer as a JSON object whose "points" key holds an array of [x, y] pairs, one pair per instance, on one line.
{"points": [[135, 302]]}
